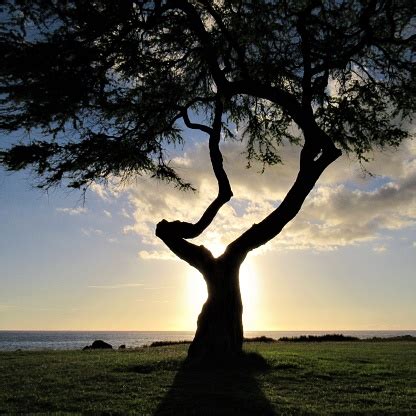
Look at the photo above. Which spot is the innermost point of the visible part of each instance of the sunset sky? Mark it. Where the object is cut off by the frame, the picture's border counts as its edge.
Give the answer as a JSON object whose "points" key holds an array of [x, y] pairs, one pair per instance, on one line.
{"points": [[346, 262]]}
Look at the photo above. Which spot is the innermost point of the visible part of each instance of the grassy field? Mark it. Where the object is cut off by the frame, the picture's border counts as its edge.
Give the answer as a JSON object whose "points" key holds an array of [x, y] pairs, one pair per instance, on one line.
{"points": [[327, 378]]}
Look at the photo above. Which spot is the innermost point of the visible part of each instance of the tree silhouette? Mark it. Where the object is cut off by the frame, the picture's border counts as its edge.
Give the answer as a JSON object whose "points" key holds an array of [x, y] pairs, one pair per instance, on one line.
{"points": [[105, 87]]}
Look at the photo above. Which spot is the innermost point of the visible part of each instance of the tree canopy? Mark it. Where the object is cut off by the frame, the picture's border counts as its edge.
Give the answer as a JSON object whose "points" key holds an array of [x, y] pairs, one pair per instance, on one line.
{"points": [[104, 87]]}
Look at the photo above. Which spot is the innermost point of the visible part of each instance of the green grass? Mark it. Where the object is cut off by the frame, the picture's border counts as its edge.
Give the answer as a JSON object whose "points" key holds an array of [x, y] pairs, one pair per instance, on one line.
{"points": [[326, 378]]}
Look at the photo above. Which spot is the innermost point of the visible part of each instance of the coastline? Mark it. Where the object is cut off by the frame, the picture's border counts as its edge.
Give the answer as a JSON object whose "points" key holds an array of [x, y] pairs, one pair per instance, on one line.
{"points": [[75, 340]]}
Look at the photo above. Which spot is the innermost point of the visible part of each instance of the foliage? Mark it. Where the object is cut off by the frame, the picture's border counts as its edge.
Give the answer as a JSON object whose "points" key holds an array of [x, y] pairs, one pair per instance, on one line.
{"points": [[316, 378], [319, 338], [102, 86], [167, 343]]}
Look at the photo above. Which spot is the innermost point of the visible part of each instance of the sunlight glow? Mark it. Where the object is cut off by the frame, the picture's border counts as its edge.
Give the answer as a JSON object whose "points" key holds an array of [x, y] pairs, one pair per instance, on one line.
{"points": [[196, 296], [249, 286]]}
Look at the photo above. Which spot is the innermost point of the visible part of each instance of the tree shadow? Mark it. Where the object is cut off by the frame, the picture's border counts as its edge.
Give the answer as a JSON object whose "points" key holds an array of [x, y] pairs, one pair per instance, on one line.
{"points": [[217, 390]]}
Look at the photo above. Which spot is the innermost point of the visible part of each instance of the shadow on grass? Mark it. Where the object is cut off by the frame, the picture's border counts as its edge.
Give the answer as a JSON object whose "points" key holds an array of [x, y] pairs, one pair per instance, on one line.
{"points": [[217, 391]]}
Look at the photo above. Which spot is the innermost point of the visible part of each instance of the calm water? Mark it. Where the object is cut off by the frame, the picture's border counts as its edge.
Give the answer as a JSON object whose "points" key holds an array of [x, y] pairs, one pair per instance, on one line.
{"points": [[69, 340]]}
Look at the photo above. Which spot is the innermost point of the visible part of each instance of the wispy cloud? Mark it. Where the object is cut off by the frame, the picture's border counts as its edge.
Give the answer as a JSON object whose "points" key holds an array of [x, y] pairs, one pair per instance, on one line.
{"points": [[72, 211], [5, 307], [96, 232], [124, 213], [92, 231], [116, 286], [112, 240], [158, 287], [102, 191], [380, 249], [157, 255]]}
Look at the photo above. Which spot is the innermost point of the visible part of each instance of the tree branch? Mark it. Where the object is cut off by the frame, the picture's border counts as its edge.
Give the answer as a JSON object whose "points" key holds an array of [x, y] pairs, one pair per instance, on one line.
{"points": [[306, 54], [303, 117], [365, 38], [188, 230], [197, 256], [203, 36], [195, 126], [232, 41], [314, 137], [311, 168], [174, 233]]}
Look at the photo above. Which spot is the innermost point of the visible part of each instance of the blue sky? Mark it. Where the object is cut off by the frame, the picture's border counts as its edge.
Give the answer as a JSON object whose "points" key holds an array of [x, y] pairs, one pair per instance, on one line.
{"points": [[346, 262]]}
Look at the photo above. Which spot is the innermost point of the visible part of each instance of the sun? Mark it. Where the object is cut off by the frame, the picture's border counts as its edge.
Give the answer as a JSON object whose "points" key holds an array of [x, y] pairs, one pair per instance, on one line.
{"points": [[197, 291]]}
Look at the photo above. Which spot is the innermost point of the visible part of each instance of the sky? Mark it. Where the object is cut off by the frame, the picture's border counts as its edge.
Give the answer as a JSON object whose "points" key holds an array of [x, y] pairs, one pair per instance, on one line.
{"points": [[346, 262]]}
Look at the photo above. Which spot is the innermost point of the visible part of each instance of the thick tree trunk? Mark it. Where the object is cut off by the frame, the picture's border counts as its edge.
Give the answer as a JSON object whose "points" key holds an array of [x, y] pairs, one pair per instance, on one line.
{"points": [[219, 335]]}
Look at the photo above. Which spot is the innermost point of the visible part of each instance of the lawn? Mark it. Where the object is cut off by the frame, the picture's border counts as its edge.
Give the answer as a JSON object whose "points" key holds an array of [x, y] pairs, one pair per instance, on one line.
{"points": [[311, 378]]}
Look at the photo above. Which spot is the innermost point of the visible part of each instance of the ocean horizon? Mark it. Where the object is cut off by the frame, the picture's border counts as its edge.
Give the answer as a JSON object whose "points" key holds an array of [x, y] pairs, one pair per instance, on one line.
{"points": [[74, 340]]}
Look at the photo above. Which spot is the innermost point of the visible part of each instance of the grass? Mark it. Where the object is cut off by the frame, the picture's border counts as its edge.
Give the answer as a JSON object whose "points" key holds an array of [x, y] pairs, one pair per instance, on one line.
{"points": [[346, 378]]}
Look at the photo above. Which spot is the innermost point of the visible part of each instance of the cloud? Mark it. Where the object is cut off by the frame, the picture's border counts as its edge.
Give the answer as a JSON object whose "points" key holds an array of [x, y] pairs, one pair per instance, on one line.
{"points": [[157, 255], [346, 207], [158, 287], [380, 249], [124, 213], [96, 232], [102, 191], [116, 286], [336, 215], [72, 211], [92, 231], [112, 240], [5, 307]]}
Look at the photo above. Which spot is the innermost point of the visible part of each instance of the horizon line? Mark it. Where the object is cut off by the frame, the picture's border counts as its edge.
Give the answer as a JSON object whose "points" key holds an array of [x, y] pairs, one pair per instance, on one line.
{"points": [[194, 330]]}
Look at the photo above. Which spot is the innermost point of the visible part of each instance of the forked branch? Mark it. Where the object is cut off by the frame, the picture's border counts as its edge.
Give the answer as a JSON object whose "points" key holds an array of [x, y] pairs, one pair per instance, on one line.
{"points": [[174, 233]]}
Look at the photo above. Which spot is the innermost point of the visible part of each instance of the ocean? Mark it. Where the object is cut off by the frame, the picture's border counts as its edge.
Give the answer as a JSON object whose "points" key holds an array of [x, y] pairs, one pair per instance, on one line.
{"points": [[75, 340]]}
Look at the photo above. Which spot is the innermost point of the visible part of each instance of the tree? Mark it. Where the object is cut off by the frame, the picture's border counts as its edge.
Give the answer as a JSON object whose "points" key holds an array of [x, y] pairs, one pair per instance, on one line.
{"points": [[106, 87]]}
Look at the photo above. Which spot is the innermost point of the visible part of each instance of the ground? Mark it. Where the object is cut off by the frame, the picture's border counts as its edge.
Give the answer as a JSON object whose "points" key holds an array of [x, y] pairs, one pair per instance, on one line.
{"points": [[312, 378]]}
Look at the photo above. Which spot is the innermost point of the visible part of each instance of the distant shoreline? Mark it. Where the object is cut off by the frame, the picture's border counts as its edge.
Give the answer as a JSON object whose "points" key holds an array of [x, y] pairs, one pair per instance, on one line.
{"points": [[75, 340]]}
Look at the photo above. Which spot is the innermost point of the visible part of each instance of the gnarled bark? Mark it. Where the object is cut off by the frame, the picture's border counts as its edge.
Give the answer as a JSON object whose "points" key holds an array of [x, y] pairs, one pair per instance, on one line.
{"points": [[219, 335]]}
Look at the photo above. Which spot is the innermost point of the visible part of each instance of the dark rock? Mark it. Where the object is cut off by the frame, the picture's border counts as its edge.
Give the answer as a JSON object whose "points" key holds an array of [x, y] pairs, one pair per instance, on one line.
{"points": [[98, 345], [101, 345], [260, 339], [122, 347]]}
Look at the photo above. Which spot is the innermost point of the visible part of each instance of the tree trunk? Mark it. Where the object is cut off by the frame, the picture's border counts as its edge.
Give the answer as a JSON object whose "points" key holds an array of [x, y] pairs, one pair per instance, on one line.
{"points": [[219, 335]]}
